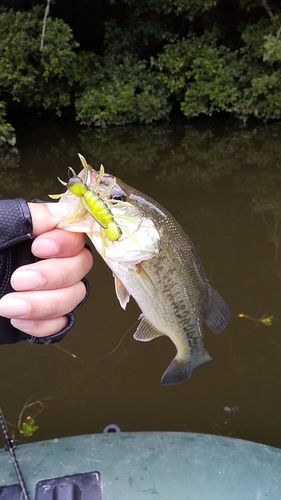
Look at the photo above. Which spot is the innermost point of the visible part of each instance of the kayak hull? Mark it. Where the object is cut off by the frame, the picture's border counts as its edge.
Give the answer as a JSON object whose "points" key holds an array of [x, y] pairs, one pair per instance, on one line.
{"points": [[152, 465]]}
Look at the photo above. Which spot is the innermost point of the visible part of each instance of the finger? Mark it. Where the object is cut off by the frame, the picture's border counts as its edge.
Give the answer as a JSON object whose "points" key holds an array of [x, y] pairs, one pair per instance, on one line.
{"points": [[42, 219], [52, 274], [40, 328], [48, 304], [57, 243]]}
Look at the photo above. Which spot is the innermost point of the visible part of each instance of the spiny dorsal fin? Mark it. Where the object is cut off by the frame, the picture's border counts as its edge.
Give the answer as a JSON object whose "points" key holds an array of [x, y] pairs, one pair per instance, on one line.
{"points": [[146, 331]]}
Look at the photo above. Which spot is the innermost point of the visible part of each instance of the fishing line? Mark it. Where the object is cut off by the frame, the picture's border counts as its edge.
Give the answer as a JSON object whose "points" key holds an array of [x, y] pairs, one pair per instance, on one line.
{"points": [[64, 350], [11, 449], [103, 357], [118, 345]]}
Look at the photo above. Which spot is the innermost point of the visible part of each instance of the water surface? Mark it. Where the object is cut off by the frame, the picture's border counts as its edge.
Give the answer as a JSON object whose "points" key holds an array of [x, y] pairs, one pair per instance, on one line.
{"points": [[223, 185]]}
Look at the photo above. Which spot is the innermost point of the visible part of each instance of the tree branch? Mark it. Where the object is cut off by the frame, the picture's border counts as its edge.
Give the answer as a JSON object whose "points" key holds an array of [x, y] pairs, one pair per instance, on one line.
{"points": [[44, 24], [272, 17], [268, 10]]}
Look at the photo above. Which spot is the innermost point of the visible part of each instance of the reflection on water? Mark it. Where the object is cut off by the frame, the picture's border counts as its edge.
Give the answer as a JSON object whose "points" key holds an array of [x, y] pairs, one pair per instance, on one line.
{"points": [[224, 187]]}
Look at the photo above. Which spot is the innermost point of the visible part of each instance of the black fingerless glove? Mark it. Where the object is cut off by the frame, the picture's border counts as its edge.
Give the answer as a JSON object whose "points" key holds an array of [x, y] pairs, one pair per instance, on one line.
{"points": [[15, 251]]}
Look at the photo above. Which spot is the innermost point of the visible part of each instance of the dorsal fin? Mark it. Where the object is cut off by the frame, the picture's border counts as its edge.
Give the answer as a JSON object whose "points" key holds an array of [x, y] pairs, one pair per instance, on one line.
{"points": [[217, 314]]}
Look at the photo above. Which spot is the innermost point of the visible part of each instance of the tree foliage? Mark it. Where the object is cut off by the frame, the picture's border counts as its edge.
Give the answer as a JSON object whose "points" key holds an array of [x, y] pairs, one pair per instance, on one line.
{"points": [[153, 58], [34, 77], [122, 93]]}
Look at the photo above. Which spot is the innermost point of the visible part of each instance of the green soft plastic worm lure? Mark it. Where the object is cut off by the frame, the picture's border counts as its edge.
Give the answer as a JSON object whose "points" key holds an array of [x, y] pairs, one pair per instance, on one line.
{"points": [[95, 204]]}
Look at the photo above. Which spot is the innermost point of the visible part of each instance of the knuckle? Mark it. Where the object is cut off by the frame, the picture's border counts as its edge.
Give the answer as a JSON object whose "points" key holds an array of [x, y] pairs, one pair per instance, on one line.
{"points": [[60, 274], [49, 327]]}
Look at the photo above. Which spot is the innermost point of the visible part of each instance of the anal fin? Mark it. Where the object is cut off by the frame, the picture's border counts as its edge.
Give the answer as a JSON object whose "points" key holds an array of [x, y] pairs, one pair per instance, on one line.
{"points": [[146, 331]]}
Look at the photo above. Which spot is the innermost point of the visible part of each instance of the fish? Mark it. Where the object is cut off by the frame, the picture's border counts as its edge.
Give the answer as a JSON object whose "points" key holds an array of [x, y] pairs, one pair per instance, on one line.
{"points": [[156, 263]]}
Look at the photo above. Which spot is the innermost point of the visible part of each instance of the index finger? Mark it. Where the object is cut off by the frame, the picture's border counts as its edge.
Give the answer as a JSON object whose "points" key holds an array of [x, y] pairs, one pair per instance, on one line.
{"points": [[52, 274], [58, 243]]}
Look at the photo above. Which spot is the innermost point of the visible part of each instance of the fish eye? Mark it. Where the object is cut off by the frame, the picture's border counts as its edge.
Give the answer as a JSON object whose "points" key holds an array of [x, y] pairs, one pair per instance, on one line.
{"points": [[118, 195], [121, 197]]}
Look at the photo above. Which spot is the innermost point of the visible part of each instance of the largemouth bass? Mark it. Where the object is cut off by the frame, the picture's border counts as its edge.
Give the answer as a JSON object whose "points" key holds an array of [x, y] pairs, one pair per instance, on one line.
{"points": [[156, 263]]}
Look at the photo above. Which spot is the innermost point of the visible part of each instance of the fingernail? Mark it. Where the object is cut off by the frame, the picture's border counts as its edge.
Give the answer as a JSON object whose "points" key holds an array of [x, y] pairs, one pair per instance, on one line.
{"points": [[12, 306], [26, 280], [44, 248], [23, 324]]}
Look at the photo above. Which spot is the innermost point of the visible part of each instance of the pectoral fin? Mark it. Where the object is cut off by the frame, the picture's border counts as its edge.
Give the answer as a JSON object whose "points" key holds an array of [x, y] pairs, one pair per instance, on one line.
{"points": [[146, 331], [121, 292], [146, 280]]}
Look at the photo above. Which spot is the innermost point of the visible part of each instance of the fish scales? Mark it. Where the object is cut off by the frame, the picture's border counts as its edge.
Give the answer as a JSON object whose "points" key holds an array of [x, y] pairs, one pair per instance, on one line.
{"points": [[155, 262]]}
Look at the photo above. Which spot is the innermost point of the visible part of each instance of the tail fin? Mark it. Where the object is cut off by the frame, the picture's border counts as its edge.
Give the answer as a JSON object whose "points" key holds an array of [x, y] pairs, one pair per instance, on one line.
{"points": [[180, 370]]}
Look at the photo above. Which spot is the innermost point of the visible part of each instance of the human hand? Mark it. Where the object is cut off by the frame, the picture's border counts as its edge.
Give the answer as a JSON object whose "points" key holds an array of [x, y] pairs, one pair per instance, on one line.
{"points": [[46, 291]]}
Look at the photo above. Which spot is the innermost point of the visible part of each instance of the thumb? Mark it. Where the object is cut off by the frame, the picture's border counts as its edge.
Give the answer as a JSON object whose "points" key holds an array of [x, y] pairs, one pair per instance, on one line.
{"points": [[43, 218]]}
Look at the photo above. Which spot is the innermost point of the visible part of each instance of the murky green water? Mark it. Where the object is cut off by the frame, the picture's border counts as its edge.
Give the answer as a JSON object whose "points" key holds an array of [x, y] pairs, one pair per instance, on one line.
{"points": [[224, 187]]}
